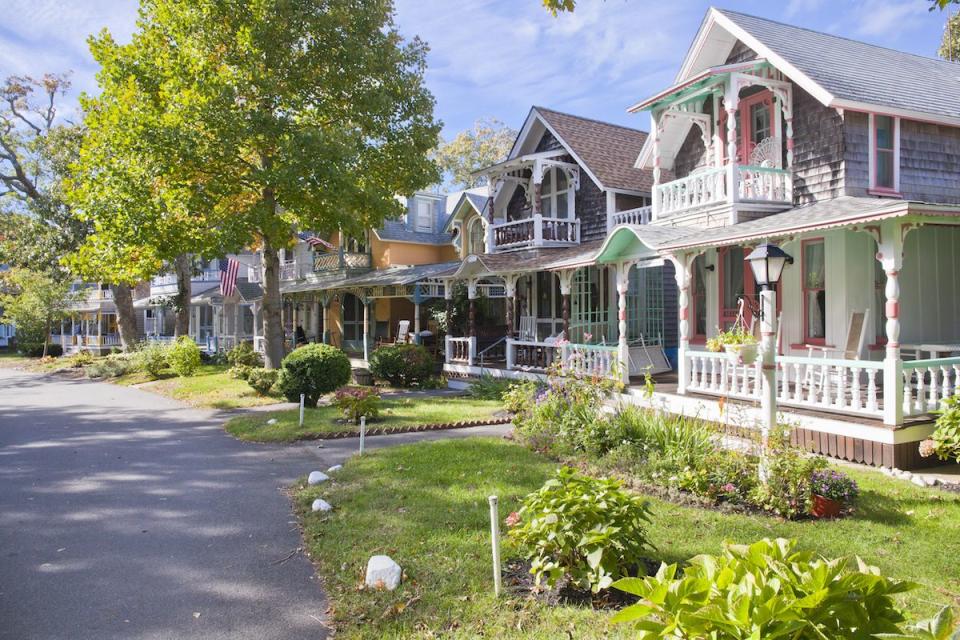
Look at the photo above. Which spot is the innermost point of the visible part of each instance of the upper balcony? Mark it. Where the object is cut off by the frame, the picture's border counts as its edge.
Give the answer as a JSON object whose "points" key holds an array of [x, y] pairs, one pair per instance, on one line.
{"points": [[535, 231], [324, 262], [726, 135]]}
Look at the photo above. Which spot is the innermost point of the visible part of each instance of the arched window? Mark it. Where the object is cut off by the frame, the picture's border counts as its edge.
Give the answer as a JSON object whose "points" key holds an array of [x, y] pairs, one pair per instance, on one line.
{"points": [[475, 237], [553, 193]]}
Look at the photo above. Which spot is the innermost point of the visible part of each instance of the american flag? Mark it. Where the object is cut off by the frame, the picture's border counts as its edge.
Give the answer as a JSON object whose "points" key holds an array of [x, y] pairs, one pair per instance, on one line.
{"points": [[314, 241], [229, 269]]}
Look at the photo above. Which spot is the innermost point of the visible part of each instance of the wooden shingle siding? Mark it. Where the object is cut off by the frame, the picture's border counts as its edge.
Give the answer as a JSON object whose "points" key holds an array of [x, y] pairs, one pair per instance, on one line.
{"points": [[740, 53], [691, 153], [929, 162], [671, 320], [856, 168], [818, 147], [591, 206]]}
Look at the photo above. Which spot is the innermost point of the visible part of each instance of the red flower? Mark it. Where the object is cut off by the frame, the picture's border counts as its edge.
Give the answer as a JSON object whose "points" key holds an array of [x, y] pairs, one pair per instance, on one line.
{"points": [[513, 519]]}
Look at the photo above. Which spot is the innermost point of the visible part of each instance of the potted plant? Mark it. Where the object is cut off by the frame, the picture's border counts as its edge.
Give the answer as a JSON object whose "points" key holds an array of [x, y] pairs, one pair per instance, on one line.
{"points": [[740, 345], [832, 491]]}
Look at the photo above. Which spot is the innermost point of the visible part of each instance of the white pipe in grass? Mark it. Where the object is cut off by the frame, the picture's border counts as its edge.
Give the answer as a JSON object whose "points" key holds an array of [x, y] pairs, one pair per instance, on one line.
{"points": [[363, 431], [495, 543], [301, 410]]}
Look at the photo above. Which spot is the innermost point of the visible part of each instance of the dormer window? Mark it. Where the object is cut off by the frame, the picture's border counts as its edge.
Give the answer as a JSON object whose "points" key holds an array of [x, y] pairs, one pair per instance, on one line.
{"points": [[884, 154], [553, 193], [424, 217]]}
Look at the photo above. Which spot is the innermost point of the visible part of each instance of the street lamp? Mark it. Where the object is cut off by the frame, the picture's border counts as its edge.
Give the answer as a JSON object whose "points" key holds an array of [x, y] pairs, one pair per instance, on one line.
{"points": [[767, 262]]}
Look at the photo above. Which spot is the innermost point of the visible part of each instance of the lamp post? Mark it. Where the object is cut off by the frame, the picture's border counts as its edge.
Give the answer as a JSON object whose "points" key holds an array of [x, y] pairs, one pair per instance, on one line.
{"points": [[767, 262]]}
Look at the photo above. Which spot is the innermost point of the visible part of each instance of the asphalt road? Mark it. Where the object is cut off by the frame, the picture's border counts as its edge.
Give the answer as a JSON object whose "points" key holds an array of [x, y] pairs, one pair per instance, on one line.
{"points": [[125, 515]]}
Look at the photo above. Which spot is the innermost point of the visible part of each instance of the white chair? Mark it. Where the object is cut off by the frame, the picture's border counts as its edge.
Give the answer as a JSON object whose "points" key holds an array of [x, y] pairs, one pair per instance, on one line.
{"points": [[403, 332], [528, 329], [852, 349], [768, 153]]}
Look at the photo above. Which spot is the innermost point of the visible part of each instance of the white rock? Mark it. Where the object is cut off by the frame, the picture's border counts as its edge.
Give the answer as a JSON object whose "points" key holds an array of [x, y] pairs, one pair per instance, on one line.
{"points": [[316, 477], [917, 480], [383, 573], [335, 468], [272, 421], [321, 505]]}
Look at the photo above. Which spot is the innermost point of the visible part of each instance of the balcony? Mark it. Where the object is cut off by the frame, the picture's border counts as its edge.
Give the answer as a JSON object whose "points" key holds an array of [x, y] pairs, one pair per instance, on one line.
{"points": [[337, 260], [533, 232], [720, 186]]}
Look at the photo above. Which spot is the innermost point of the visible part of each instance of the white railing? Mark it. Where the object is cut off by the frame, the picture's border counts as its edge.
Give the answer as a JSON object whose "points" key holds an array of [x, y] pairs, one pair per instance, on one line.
{"points": [[845, 386], [288, 270], [699, 189], [764, 184], [207, 275], [926, 383], [591, 360], [461, 350], [108, 340], [535, 231], [336, 260], [640, 215]]}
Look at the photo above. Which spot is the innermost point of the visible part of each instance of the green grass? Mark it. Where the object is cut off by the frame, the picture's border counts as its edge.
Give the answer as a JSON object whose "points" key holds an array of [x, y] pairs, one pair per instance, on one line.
{"points": [[210, 386], [395, 412], [425, 505]]}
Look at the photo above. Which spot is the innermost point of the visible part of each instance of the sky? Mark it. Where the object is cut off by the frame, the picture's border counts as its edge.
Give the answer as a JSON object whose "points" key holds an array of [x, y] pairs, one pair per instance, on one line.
{"points": [[496, 58]]}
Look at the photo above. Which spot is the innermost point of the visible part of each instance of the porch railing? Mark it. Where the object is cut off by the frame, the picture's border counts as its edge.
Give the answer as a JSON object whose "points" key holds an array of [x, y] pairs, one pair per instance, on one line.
{"points": [[461, 350], [721, 185], [340, 260], [640, 215], [926, 383], [763, 184], [695, 190], [288, 270], [845, 386], [536, 231], [581, 359]]}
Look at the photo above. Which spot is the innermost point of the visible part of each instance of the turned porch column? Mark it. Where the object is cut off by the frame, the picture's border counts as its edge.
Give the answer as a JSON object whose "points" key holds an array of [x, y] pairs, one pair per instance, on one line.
{"points": [[510, 290], [536, 202], [366, 329], [314, 321], [730, 103], [890, 255], [683, 269], [623, 347], [657, 131], [472, 295]]}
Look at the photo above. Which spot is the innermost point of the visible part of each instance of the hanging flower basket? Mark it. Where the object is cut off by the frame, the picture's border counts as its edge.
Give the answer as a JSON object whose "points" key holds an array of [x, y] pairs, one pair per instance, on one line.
{"points": [[825, 507], [741, 353]]}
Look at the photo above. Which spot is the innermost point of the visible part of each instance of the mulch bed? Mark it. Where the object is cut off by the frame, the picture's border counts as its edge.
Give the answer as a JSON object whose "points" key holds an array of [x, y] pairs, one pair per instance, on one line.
{"points": [[518, 581], [386, 431]]}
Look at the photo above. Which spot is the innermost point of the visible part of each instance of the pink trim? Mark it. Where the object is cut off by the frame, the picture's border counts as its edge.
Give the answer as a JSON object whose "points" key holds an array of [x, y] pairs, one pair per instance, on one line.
{"points": [[892, 309], [882, 191], [804, 289], [748, 285]]}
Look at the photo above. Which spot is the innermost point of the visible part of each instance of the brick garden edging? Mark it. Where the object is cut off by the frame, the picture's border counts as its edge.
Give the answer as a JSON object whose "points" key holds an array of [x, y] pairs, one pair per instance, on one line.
{"points": [[387, 431]]}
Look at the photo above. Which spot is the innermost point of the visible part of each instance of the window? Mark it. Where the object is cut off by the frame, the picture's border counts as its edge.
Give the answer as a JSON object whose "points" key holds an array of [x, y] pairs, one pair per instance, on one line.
{"points": [[424, 218], [553, 194], [644, 305], [590, 305], [549, 305], [814, 292], [884, 153], [756, 120], [475, 238], [736, 282], [698, 297], [352, 318]]}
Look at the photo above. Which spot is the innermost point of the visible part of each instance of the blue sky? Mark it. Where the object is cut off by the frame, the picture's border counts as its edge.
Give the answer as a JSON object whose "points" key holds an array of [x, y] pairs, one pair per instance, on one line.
{"points": [[497, 57]]}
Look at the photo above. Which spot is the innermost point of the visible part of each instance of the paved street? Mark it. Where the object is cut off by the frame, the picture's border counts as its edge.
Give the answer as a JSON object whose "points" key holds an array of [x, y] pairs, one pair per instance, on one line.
{"points": [[123, 515]]}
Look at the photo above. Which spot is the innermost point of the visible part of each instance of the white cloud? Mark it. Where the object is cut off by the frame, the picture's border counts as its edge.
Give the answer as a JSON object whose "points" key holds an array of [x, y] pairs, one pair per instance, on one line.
{"points": [[797, 7], [889, 19]]}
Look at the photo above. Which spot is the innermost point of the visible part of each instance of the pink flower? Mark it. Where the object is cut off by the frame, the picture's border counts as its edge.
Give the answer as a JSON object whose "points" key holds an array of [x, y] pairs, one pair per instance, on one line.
{"points": [[928, 448], [513, 519], [729, 488]]}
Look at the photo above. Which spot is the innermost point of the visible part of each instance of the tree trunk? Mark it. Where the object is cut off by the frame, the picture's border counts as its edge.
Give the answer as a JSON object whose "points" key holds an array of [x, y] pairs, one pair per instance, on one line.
{"points": [[272, 325], [183, 266], [46, 340], [126, 319]]}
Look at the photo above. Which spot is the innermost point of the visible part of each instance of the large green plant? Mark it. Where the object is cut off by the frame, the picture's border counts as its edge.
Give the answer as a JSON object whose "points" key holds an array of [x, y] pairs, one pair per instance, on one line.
{"points": [[402, 365], [183, 356], [588, 529], [945, 440], [313, 370], [765, 590], [152, 358]]}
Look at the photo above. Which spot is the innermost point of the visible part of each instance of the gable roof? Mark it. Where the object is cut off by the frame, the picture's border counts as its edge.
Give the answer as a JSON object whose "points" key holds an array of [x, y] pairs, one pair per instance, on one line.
{"points": [[845, 73], [606, 150]]}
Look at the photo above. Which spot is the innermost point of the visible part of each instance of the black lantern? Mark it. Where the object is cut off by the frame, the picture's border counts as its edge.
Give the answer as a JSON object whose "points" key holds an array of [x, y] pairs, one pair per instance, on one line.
{"points": [[767, 262]]}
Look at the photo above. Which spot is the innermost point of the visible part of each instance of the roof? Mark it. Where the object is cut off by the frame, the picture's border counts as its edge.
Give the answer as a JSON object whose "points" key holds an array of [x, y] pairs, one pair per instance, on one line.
{"points": [[248, 292], [839, 212], [396, 230], [607, 150], [852, 71], [476, 201], [400, 275], [527, 260]]}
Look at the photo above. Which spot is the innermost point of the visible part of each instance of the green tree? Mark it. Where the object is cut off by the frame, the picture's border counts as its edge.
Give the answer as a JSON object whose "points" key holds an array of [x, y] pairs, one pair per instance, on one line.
{"points": [[269, 116], [950, 45], [33, 301], [488, 142]]}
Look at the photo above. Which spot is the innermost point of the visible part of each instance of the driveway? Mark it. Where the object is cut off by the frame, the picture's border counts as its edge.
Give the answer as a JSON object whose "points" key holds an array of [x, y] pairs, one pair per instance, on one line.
{"points": [[125, 515]]}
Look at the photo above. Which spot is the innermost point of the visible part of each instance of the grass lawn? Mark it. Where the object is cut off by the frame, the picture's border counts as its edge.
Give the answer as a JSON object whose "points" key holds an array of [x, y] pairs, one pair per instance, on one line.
{"points": [[395, 412], [210, 386], [425, 505]]}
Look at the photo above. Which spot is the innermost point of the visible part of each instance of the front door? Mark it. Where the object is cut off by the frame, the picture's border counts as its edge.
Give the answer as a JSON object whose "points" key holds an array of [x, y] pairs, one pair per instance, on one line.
{"points": [[736, 283]]}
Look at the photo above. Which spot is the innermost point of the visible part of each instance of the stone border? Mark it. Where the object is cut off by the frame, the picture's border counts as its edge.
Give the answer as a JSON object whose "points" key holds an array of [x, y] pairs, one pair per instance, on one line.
{"points": [[388, 431]]}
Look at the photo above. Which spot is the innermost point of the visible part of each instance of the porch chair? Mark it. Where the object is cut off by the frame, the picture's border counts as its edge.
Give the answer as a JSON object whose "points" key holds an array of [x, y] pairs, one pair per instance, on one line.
{"points": [[852, 349], [528, 329], [403, 332]]}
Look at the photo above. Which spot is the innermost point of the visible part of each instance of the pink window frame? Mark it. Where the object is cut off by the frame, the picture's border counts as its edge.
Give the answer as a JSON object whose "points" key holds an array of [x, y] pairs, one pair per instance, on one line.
{"points": [[804, 289]]}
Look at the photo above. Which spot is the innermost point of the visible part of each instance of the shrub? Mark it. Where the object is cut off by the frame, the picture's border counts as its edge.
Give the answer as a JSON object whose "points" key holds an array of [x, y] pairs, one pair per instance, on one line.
{"points": [[263, 380], [788, 491], [183, 356], [152, 358], [945, 440], [486, 387], [834, 485], [559, 414], [113, 366], [357, 402], [519, 396], [81, 359], [588, 530], [764, 590], [33, 349], [243, 354], [240, 371], [402, 365], [312, 370]]}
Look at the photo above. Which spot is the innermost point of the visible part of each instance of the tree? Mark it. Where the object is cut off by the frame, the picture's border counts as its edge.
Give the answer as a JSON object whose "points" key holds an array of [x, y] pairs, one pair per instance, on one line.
{"points": [[557, 7], [33, 301], [950, 45], [487, 143], [273, 116]]}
